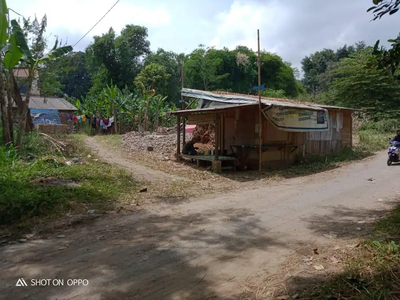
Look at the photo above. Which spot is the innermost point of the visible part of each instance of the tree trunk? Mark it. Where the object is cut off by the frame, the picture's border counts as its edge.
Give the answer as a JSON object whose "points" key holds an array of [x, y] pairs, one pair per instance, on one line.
{"points": [[6, 138], [20, 103], [9, 111], [146, 122], [25, 111]]}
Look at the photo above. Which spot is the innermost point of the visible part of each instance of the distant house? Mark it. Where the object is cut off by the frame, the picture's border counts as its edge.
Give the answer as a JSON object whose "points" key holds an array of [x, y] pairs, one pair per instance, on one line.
{"points": [[50, 110], [21, 75], [44, 110]]}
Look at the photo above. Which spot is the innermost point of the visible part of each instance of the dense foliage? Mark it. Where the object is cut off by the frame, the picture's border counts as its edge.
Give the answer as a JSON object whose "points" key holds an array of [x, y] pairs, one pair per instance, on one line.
{"points": [[125, 61], [360, 83], [316, 65], [388, 58]]}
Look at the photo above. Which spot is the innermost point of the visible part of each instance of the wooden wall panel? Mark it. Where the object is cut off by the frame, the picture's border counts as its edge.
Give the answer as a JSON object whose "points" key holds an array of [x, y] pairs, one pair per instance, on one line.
{"points": [[272, 134], [347, 129], [245, 126], [230, 136], [201, 119]]}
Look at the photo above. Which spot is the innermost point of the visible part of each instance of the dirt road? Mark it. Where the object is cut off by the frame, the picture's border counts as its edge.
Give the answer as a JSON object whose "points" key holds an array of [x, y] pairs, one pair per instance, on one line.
{"points": [[201, 249]]}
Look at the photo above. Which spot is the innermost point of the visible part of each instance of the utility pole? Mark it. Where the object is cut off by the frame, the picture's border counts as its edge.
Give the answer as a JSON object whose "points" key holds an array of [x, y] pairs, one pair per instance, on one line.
{"points": [[183, 106], [259, 104]]}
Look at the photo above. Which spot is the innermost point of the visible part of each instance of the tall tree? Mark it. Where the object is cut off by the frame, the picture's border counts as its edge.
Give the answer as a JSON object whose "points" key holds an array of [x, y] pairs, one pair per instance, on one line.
{"points": [[172, 62], [361, 84], [314, 65], [277, 75], [67, 75], [388, 58], [154, 77], [236, 71], [32, 59], [121, 57], [201, 69]]}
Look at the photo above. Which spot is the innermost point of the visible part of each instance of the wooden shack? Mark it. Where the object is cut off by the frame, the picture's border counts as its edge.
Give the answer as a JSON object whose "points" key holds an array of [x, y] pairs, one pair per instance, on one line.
{"points": [[290, 129]]}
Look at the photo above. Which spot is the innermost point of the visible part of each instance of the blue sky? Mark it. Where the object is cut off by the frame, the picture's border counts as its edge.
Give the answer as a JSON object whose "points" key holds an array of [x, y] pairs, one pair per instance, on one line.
{"points": [[291, 28]]}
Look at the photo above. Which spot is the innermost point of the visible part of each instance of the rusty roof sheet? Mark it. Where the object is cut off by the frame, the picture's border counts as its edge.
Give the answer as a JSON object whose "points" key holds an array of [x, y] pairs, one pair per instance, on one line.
{"points": [[50, 103]]}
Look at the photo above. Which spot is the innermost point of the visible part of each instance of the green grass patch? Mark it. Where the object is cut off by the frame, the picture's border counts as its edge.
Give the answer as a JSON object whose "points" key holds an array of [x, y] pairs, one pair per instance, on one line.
{"points": [[371, 140], [43, 185], [114, 140]]}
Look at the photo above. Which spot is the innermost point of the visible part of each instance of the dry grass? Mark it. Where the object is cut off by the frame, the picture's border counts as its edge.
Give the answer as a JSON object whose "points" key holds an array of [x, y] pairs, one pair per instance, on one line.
{"points": [[302, 271]]}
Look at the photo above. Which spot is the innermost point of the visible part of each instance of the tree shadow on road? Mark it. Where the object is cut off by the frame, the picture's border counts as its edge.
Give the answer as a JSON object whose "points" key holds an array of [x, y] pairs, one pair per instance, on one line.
{"points": [[345, 222], [141, 256], [365, 270]]}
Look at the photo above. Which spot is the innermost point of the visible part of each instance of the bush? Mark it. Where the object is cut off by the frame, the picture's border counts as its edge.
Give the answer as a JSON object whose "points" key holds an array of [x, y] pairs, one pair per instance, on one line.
{"points": [[8, 155], [34, 143], [384, 126], [372, 140], [274, 93]]}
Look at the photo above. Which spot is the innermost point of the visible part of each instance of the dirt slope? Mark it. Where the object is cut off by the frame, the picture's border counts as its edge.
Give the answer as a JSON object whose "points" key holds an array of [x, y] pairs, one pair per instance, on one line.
{"points": [[138, 171], [202, 249]]}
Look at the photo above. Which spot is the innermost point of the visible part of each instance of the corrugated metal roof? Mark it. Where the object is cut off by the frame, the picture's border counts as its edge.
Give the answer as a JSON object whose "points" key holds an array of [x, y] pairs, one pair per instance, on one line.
{"points": [[235, 98], [50, 103], [210, 109], [289, 101]]}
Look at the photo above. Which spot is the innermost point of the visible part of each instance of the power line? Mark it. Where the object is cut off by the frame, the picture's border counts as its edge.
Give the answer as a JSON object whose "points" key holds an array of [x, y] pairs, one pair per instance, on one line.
{"points": [[95, 24], [16, 12]]}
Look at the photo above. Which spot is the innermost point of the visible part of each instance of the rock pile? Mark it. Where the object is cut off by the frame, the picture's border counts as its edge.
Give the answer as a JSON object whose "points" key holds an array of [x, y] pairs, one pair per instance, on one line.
{"points": [[161, 143], [164, 140]]}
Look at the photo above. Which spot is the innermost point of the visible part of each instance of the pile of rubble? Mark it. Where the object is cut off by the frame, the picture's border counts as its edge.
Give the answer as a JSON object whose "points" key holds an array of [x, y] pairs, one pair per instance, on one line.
{"points": [[164, 140], [161, 143]]}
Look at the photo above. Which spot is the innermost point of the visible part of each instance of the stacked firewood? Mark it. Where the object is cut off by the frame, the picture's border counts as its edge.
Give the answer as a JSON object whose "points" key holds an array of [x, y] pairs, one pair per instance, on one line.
{"points": [[206, 132]]}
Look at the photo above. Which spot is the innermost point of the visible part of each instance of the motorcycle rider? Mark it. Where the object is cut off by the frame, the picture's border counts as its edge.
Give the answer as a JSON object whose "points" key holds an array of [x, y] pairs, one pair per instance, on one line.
{"points": [[397, 137]]}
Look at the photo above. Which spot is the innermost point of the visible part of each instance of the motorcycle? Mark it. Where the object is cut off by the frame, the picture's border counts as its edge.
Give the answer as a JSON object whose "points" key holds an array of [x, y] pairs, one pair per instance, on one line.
{"points": [[393, 153]]}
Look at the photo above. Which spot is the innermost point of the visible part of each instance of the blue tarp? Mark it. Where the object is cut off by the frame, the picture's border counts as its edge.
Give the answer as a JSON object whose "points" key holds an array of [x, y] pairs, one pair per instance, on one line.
{"points": [[45, 116]]}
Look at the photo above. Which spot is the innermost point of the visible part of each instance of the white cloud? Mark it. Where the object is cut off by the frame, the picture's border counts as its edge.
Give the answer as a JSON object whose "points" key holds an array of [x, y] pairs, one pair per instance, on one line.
{"points": [[215, 42], [290, 28], [238, 25], [78, 16]]}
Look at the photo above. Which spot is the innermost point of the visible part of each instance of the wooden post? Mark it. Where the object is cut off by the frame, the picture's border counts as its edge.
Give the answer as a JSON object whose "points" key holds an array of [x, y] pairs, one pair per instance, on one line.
{"points": [[183, 104], [351, 128], [178, 142], [216, 137], [183, 126], [259, 104]]}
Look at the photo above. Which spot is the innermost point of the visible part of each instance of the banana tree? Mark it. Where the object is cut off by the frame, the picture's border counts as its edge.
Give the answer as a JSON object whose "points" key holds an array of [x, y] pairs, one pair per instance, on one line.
{"points": [[33, 64], [147, 97], [10, 55], [157, 107]]}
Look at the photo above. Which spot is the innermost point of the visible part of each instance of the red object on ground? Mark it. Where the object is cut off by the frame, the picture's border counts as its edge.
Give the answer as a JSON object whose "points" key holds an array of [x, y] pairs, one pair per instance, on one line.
{"points": [[190, 128]]}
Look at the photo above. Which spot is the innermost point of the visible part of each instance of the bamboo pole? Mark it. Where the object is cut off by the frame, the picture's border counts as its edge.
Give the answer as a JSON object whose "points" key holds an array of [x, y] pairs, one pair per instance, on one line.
{"points": [[259, 104], [217, 136], [178, 142], [183, 107]]}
